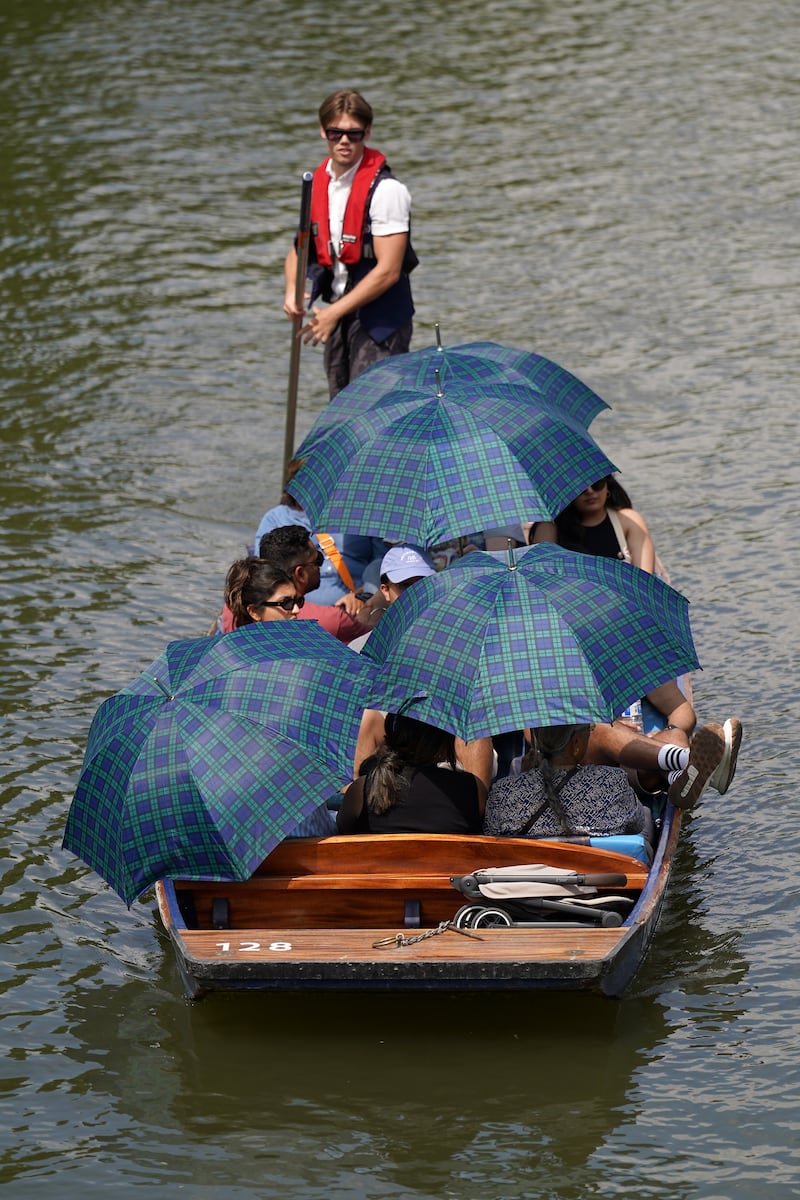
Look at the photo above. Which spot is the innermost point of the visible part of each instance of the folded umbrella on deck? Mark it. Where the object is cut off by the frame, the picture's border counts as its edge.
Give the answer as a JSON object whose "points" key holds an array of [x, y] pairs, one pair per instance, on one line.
{"points": [[216, 752]]}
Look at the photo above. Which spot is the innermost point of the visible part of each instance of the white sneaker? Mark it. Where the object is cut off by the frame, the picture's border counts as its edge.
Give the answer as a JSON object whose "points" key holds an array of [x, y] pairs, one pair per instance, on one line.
{"points": [[724, 773]]}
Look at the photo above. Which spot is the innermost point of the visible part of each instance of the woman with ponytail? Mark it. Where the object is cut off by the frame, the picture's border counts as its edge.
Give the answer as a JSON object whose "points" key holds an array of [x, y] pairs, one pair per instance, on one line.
{"points": [[410, 785], [555, 795], [256, 590]]}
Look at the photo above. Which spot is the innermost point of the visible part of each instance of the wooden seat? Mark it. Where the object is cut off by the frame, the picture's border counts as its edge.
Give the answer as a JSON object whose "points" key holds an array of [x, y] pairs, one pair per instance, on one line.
{"points": [[365, 881]]}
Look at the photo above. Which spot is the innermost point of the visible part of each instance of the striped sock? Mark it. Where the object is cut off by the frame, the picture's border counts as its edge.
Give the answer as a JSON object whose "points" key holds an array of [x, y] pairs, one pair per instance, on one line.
{"points": [[673, 758]]}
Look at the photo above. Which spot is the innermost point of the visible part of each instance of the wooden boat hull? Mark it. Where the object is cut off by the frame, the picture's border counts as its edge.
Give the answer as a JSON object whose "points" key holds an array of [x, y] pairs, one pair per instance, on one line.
{"points": [[311, 915]]}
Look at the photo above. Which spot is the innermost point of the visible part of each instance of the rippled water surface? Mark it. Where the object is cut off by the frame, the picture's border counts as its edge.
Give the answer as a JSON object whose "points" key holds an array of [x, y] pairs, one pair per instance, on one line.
{"points": [[611, 184]]}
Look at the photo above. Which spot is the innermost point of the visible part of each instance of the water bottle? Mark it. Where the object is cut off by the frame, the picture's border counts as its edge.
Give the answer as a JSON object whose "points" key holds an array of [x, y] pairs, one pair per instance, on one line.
{"points": [[633, 714]]}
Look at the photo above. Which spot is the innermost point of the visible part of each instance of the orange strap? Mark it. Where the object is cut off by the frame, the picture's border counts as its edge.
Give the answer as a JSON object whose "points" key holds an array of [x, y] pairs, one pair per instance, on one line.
{"points": [[329, 549]]}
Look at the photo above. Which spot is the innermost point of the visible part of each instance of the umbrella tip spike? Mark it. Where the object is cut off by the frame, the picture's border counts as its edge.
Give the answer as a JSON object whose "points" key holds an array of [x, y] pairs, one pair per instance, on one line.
{"points": [[512, 557], [438, 377], [437, 331], [166, 691]]}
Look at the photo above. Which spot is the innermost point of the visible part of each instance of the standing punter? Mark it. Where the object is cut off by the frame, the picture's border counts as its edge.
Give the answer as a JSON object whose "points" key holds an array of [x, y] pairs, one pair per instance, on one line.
{"points": [[360, 251]]}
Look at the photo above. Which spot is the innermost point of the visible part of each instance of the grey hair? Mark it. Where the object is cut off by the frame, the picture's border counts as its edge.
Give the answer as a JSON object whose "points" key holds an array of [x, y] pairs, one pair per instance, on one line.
{"points": [[550, 739]]}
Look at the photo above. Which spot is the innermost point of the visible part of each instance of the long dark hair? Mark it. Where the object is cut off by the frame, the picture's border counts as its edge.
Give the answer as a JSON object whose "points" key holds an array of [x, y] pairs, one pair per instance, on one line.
{"points": [[570, 531], [249, 583], [407, 742]]}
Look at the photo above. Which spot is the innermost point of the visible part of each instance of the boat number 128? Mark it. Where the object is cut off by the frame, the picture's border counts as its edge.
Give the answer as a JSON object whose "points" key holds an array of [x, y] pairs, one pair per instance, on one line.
{"points": [[252, 947]]}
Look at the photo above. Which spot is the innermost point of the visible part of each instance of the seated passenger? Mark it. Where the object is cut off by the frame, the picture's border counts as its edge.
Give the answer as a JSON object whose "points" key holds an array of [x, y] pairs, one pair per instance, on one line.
{"points": [[402, 788], [601, 521], [667, 756], [256, 590], [557, 795]]}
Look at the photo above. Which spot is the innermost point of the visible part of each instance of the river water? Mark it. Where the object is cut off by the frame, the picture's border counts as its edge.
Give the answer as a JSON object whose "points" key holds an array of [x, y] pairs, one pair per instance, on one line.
{"points": [[612, 183]]}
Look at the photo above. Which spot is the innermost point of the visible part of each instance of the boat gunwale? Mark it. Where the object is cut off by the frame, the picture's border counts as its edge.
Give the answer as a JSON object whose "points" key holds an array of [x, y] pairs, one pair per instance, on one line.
{"points": [[609, 971]]}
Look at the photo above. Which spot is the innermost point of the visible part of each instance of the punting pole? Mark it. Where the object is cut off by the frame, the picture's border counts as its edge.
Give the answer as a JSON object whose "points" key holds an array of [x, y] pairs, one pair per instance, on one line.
{"points": [[301, 245]]}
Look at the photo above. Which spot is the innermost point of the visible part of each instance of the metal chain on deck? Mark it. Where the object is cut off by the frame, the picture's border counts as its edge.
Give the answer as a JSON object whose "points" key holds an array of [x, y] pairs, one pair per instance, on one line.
{"points": [[400, 939]]}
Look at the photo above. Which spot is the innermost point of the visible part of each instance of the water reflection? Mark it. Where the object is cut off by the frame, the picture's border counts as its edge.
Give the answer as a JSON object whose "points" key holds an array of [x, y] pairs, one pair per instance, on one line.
{"points": [[686, 953], [418, 1090]]}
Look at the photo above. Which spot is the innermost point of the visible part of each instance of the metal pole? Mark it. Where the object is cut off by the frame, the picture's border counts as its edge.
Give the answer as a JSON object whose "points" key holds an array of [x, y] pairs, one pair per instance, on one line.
{"points": [[301, 245]]}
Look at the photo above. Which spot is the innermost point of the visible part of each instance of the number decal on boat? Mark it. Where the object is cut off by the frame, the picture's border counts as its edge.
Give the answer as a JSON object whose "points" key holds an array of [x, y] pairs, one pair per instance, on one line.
{"points": [[251, 947]]}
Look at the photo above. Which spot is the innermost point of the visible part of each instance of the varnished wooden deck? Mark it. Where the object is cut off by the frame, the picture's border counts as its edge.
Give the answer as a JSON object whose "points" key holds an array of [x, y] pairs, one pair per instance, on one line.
{"points": [[357, 945], [311, 914]]}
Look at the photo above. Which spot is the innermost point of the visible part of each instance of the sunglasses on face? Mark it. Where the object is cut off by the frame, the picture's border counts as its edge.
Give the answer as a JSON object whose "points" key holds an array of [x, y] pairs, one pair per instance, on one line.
{"points": [[288, 603], [597, 487], [352, 135], [316, 561]]}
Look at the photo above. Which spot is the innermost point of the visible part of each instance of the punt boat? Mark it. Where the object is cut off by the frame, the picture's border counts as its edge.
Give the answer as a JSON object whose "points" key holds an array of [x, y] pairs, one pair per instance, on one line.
{"points": [[415, 911]]}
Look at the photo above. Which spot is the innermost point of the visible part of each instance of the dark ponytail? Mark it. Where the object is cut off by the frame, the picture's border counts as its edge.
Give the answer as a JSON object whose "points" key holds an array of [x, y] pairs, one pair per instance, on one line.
{"points": [[407, 742]]}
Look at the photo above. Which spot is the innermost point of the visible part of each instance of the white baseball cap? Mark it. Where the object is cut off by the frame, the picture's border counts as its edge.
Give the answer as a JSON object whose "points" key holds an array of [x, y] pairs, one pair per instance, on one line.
{"points": [[406, 562]]}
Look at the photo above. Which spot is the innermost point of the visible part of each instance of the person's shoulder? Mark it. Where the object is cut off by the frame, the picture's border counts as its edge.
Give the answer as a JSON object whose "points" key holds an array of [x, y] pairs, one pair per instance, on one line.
{"points": [[612, 777], [601, 771], [390, 192], [632, 517], [281, 515], [501, 789]]}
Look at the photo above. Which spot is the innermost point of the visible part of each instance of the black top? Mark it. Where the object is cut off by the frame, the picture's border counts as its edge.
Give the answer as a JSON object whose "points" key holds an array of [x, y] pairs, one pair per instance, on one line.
{"points": [[430, 800], [600, 540]]}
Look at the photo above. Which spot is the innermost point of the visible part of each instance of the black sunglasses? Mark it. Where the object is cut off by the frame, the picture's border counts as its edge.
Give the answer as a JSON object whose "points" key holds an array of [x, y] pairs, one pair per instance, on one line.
{"points": [[353, 135], [597, 487], [288, 603], [316, 561]]}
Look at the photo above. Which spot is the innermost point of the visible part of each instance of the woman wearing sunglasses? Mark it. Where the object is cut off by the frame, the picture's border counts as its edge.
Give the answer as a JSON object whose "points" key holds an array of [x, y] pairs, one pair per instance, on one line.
{"points": [[601, 521], [255, 590]]}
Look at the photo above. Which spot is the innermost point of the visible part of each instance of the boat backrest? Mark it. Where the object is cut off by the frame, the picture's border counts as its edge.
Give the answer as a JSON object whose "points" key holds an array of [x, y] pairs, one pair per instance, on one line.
{"points": [[410, 854]]}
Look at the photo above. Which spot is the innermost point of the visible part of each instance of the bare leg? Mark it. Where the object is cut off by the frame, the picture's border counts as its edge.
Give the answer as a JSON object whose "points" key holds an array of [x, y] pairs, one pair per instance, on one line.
{"points": [[670, 700], [620, 745]]}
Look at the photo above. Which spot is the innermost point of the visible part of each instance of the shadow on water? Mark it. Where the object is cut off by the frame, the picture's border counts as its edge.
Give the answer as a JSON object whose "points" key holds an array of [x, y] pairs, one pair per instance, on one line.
{"points": [[424, 1091], [418, 1089]]}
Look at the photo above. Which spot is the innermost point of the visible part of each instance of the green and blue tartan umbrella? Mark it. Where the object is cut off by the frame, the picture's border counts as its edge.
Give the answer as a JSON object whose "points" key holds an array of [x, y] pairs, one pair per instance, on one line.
{"points": [[473, 366], [216, 752], [549, 637], [427, 464]]}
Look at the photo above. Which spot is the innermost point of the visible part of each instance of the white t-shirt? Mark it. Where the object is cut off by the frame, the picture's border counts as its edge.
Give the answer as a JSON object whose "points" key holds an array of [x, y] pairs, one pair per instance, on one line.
{"points": [[389, 212]]}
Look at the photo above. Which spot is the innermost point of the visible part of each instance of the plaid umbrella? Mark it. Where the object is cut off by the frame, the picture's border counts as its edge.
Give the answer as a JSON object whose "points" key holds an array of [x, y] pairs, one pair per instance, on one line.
{"points": [[215, 753], [547, 638], [431, 463], [472, 365]]}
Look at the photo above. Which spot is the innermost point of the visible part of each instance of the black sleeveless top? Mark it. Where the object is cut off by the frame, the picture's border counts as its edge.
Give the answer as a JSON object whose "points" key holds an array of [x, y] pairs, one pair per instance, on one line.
{"points": [[430, 800], [600, 540]]}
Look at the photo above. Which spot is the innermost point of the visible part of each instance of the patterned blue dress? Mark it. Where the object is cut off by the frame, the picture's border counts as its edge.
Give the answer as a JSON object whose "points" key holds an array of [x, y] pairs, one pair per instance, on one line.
{"points": [[597, 800]]}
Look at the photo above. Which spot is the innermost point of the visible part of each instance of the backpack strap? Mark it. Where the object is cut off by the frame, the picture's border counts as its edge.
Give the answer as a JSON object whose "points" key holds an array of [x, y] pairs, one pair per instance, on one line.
{"points": [[537, 812], [329, 549]]}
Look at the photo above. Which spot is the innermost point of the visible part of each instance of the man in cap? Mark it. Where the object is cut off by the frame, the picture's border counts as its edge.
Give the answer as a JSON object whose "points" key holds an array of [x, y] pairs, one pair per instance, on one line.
{"points": [[400, 567]]}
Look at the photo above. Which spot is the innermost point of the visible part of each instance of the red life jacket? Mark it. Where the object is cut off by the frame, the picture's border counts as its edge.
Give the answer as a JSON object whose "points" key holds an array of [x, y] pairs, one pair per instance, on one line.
{"points": [[354, 214]]}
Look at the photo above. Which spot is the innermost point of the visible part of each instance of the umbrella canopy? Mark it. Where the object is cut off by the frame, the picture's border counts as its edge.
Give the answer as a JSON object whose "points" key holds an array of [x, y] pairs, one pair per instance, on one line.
{"points": [[215, 753], [427, 464], [551, 637], [473, 365]]}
